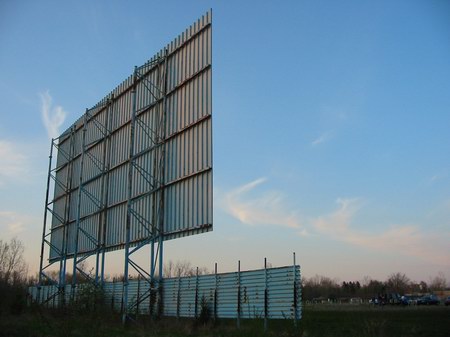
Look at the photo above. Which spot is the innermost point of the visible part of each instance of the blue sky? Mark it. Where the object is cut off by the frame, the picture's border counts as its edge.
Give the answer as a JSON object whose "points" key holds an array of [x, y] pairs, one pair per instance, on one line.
{"points": [[330, 124]]}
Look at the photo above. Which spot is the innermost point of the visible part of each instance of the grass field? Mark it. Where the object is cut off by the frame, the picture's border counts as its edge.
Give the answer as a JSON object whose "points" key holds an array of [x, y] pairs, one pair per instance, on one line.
{"points": [[323, 321]]}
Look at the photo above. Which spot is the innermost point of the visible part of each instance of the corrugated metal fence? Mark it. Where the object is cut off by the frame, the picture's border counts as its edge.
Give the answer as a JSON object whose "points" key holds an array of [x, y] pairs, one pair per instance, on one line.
{"points": [[272, 293]]}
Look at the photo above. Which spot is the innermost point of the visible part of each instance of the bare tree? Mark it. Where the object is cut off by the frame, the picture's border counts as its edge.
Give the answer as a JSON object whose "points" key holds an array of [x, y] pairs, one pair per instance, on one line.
{"points": [[439, 282], [320, 286], [13, 273], [13, 268], [398, 282], [182, 268]]}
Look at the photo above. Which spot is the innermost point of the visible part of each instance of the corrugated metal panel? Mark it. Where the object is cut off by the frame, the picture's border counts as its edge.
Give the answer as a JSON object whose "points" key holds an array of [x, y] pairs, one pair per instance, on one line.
{"points": [[58, 240], [115, 231], [181, 295], [187, 148], [60, 185]]}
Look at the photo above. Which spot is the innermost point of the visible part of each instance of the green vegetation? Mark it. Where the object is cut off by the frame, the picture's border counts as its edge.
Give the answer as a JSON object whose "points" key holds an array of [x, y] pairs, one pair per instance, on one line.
{"points": [[320, 320]]}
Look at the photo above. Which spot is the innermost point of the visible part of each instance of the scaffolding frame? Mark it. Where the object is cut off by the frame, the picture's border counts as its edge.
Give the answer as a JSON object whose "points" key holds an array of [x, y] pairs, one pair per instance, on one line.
{"points": [[154, 228], [155, 179], [82, 224], [66, 186], [100, 204]]}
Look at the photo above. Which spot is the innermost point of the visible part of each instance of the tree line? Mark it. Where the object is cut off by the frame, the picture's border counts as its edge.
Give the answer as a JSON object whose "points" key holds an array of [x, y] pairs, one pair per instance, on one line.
{"points": [[13, 277], [14, 281], [322, 287]]}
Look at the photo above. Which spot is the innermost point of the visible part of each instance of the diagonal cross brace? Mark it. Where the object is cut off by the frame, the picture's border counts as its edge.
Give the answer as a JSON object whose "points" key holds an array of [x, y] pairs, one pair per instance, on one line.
{"points": [[148, 131], [96, 201], [97, 162]]}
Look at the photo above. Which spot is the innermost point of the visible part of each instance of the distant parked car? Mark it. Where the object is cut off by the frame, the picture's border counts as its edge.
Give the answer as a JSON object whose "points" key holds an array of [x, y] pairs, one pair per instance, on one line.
{"points": [[374, 301], [393, 298], [428, 300], [447, 301], [409, 299], [405, 300], [356, 300], [389, 298]]}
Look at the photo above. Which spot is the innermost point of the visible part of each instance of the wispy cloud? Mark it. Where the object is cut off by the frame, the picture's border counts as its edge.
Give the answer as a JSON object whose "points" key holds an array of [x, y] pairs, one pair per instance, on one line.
{"points": [[436, 178], [338, 222], [403, 239], [267, 208], [324, 137], [13, 164], [52, 116], [251, 205], [12, 223], [303, 233]]}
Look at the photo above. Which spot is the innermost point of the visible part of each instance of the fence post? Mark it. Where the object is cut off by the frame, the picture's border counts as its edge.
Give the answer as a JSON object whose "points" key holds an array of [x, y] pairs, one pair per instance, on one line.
{"points": [[196, 294], [266, 299], [295, 293], [138, 295], [238, 321], [215, 292], [121, 301], [113, 294], [178, 296], [54, 301], [48, 295]]}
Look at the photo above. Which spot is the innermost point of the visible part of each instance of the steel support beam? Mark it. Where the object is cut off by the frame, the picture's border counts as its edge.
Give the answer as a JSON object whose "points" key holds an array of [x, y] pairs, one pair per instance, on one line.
{"points": [[153, 226], [44, 226], [77, 224], [61, 251]]}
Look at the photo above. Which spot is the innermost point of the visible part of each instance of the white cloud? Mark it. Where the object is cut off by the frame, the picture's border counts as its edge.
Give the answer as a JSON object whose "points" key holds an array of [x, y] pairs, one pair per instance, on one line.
{"points": [[12, 223], [436, 178], [321, 139], [52, 117], [405, 239], [268, 208], [303, 233], [338, 222], [13, 164]]}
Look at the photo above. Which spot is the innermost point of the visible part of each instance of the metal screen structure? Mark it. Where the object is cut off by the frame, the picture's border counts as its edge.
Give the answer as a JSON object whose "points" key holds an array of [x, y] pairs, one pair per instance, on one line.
{"points": [[136, 169], [269, 293]]}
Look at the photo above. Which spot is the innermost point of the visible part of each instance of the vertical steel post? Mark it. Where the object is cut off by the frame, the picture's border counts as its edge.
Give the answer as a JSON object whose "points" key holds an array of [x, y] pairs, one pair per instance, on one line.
{"points": [[108, 167], [63, 263], [163, 169], [152, 253], [161, 208], [44, 226], [77, 226], [129, 196], [103, 202], [153, 198], [266, 299]]}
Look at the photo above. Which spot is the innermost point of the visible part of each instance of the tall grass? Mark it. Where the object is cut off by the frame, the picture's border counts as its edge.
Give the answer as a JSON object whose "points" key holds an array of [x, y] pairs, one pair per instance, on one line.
{"points": [[324, 321]]}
